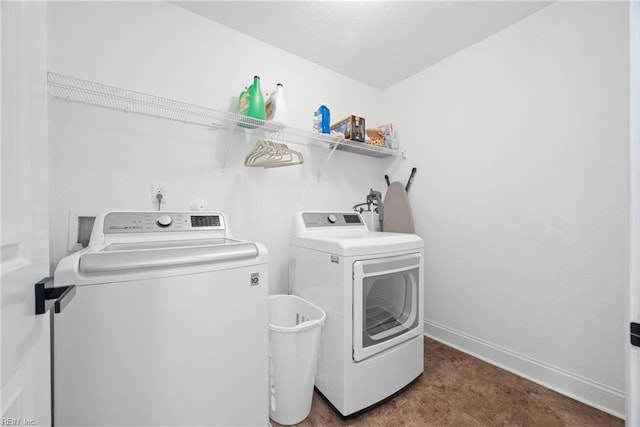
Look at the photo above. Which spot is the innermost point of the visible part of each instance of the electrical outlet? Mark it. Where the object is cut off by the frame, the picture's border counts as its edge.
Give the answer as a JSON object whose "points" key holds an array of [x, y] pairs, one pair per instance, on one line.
{"points": [[158, 189]]}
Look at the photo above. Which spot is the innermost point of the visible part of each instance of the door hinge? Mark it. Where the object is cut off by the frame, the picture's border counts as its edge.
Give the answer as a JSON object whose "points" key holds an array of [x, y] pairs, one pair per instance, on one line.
{"points": [[635, 334]]}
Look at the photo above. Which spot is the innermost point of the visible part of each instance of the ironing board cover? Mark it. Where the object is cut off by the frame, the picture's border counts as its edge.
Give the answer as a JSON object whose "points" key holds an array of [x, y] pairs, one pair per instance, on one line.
{"points": [[397, 210]]}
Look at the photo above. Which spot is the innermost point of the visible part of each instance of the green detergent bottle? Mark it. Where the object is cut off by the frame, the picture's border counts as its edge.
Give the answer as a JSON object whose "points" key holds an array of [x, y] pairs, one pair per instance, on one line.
{"points": [[256, 100]]}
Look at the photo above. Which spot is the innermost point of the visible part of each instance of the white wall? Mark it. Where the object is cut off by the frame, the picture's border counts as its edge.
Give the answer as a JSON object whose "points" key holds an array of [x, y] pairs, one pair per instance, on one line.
{"points": [[521, 142], [103, 159]]}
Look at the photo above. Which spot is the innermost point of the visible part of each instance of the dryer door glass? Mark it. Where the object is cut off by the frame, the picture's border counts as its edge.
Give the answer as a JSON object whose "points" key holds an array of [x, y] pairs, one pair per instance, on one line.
{"points": [[386, 303]]}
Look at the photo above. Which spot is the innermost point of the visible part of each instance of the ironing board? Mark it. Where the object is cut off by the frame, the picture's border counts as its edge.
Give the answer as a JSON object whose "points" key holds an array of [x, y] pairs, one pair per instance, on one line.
{"points": [[397, 210]]}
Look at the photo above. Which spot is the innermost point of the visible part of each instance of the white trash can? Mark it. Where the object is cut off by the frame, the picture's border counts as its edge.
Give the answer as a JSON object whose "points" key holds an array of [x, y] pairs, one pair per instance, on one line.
{"points": [[294, 340]]}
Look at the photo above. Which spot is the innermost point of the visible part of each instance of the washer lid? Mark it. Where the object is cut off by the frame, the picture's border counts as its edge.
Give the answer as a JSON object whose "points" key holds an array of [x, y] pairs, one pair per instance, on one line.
{"points": [[359, 242], [134, 256]]}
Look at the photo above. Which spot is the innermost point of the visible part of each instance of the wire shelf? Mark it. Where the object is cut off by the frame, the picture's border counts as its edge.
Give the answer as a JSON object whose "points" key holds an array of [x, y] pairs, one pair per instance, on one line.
{"points": [[341, 143], [98, 94]]}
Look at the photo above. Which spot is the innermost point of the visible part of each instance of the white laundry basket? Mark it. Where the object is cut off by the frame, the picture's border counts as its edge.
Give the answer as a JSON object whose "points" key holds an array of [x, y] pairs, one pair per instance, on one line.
{"points": [[294, 340]]}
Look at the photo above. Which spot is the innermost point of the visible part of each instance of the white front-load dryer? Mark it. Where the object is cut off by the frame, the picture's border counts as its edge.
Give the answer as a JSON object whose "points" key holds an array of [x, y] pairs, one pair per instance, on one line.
{"points": [[371, 286]]}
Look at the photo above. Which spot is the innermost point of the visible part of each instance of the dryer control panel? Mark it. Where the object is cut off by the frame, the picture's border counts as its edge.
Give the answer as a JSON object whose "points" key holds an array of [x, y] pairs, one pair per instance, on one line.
{"points": [[148, 222], [331, 219]]}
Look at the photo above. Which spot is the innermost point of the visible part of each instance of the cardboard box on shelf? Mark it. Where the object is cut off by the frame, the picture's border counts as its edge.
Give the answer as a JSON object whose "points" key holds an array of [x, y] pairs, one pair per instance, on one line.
{"points": [[352, 127]]}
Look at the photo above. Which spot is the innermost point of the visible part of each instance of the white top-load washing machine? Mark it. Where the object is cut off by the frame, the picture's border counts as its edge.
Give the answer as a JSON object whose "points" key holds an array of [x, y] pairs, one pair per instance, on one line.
{"points": [[168, 327], [371, 286]]}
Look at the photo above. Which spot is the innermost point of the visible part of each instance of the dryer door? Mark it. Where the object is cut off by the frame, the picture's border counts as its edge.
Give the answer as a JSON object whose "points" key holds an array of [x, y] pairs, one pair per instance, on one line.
{"points": [[386, 303]]}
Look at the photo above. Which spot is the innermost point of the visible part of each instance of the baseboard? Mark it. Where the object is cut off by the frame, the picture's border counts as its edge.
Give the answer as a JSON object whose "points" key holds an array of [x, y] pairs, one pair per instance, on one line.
{"points": [[599, 396]]}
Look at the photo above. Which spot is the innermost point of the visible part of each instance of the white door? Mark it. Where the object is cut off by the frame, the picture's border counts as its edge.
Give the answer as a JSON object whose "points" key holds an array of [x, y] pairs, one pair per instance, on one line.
{"points": [[24, 337], [633, 366], [387, 303]]}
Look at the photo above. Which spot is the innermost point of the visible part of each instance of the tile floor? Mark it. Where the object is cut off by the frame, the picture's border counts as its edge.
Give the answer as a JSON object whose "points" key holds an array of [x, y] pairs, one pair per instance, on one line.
{"points": [[459, 390]]}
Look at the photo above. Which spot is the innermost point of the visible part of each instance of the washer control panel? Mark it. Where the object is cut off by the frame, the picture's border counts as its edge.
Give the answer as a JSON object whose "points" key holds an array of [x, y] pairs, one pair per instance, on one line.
{"points": [[148, 222], [332, 219]]}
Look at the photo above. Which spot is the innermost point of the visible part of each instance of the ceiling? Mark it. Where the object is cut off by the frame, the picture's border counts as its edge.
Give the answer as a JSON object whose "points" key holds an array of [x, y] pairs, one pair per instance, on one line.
{"points": [[378, 43]]}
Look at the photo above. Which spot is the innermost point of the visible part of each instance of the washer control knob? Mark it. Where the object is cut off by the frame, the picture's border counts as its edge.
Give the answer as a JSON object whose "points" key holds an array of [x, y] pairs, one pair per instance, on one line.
{"points": [[164, 221], [332, 218]]}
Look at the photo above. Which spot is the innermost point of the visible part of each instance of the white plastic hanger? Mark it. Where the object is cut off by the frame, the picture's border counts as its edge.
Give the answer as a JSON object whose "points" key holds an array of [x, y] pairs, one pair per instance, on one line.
{"points": [[269, 154]]}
